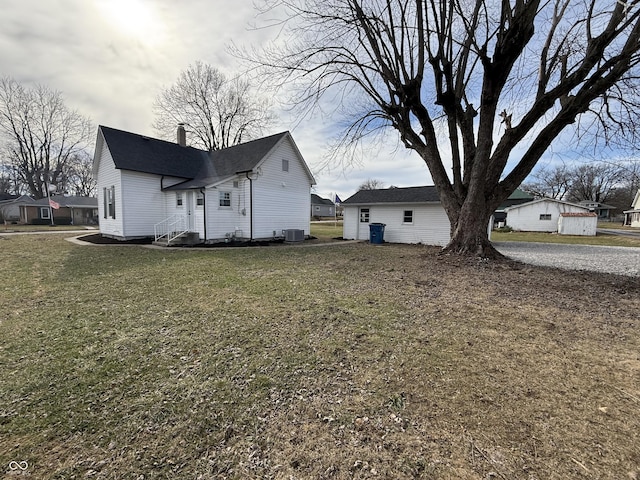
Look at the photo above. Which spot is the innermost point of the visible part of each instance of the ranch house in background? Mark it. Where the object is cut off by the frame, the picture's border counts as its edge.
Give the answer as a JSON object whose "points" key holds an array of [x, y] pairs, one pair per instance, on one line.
{"points": [[154, 188], [322, 207]]}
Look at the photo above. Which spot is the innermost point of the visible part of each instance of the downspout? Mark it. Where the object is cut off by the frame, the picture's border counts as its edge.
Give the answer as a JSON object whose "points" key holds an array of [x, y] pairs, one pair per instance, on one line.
{"points": [[204, 212], [250, 205]]}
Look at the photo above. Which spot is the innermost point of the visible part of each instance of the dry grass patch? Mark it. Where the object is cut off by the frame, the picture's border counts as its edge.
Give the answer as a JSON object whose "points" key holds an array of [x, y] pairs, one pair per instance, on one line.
{"points": [[355, 361]]}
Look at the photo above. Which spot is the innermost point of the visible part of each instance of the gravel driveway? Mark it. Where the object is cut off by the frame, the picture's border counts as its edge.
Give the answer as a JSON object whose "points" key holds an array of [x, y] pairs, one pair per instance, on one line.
{"points": [[618, 260]]}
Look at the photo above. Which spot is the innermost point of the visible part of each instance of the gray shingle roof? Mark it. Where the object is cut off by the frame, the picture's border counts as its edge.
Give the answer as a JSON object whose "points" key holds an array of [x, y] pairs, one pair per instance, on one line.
{"points": [[198, 167], [427, 194], [318, 200], [71, 201]]}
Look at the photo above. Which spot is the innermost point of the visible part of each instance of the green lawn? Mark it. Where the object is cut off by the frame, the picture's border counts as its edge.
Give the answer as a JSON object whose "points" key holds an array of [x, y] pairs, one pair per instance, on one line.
{"points": [[326, 230], [350, 361]]}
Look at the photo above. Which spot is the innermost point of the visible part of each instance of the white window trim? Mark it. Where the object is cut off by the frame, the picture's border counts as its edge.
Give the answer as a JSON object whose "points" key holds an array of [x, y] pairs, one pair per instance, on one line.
{"points": [[179, 200], [45, 213], [220, 197], [368, 216], [404, 222]]}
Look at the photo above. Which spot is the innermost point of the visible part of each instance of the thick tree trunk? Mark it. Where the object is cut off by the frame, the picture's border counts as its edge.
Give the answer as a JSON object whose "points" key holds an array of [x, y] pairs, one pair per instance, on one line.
{"points": [[470, 237]]}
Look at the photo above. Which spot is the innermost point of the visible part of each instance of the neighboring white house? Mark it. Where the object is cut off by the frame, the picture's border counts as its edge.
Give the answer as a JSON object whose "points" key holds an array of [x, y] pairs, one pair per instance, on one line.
{"points": [[540, 215], [255, 190], [632, 217], [410, 215]]}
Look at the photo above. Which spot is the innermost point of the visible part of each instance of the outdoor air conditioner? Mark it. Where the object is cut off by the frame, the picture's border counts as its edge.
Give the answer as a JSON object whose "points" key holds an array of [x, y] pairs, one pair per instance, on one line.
{"points": [[293, 235]]}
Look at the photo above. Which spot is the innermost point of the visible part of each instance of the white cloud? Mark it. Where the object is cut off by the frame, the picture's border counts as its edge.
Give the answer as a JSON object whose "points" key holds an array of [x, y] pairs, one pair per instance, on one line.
{"points": [[110, 63]]}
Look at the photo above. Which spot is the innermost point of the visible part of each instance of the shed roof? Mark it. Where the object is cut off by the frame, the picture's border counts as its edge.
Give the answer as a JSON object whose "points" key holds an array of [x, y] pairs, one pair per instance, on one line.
{"points": [[543, 200], [427, 194]]}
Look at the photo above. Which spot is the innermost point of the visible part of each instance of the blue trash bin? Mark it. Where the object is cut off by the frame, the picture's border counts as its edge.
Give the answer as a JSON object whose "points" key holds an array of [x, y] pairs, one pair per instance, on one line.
{"points": [[376, 233]]}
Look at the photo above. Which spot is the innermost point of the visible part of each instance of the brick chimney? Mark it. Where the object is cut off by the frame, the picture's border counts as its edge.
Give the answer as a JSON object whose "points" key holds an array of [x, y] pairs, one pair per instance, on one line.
{"points": [[182, 135]]}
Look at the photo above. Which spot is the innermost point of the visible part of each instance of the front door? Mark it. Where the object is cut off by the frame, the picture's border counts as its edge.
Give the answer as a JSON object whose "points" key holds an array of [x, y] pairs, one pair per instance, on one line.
{"points": [[191, 207]]}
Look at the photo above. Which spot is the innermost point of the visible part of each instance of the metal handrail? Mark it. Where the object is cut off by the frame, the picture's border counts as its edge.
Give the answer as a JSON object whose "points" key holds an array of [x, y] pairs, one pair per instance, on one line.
{"points": [[171, 227]]}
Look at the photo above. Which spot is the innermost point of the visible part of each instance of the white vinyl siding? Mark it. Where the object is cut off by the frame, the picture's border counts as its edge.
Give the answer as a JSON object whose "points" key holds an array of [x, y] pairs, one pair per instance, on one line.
{"points": [[430, 223], [282, 200], [108, 177], [539, 215]]}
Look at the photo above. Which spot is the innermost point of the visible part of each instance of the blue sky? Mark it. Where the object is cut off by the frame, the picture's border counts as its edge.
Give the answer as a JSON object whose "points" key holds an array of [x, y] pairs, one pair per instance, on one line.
{"points": [[110, 58]]}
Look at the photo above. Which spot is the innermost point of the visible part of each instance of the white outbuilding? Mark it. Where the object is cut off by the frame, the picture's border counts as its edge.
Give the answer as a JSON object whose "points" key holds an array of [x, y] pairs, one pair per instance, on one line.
{"points": [[543, 215], [578, 224], [410, 215]]}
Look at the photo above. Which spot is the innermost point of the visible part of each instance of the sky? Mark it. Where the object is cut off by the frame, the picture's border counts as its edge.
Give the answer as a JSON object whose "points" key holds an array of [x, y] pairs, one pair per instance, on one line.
{"points": [[111, 58]]}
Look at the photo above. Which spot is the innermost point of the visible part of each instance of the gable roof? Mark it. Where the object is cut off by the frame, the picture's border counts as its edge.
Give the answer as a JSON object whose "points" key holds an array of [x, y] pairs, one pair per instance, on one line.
{"points": [[138, 153], [544, 200], [427, 194], [199, 168], [228, 162], [318, 200]]}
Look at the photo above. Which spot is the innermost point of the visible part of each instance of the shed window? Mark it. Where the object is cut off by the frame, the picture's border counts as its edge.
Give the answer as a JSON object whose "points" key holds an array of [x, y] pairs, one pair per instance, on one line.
{"points": [[407, 216], [45, 213], [199, 199], [285, 165], [225, 199], [178, 199], [364, 215], [545, 216]]}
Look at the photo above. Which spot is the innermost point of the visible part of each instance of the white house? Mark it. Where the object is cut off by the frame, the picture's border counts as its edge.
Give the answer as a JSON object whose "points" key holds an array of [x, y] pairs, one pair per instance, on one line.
{"points": [[149, 187], [632, 217], [410, 215], [540, 215]]}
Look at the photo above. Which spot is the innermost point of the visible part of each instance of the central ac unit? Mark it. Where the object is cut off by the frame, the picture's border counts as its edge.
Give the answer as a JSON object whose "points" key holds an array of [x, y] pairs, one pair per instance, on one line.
{"points": [[293, 235]]}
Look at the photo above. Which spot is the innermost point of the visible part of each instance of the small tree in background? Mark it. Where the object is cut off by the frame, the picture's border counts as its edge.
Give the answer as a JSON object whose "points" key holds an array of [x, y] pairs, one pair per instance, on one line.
{"points": [[371, 184], [218, 112]]}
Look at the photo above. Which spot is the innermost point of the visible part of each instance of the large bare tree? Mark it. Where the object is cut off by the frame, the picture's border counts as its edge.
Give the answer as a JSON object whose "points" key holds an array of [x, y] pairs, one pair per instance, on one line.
{"points": [[39, 135], [478, 88], [218, 112]]}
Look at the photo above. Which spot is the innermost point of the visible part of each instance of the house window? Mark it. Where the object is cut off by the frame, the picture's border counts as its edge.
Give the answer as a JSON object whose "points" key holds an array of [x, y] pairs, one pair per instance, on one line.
{"points": [[545, 216], [45, 213], [364, 215], [109, 201], [225, 199], [407, 216], [199, 199], [285, 165], [178, 199]]}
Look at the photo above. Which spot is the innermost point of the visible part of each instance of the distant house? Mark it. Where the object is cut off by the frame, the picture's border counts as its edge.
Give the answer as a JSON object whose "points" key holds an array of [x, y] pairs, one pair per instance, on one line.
{"points": [[632, 217], [516, 198], [10, 207], [72, 210], [602, 210], [322, 207], [411, 215], [540, 215], [149, 187]]}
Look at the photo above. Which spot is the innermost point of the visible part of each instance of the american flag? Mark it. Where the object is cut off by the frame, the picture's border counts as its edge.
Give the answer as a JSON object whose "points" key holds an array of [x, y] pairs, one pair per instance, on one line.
{"points": [[54, 205]]}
